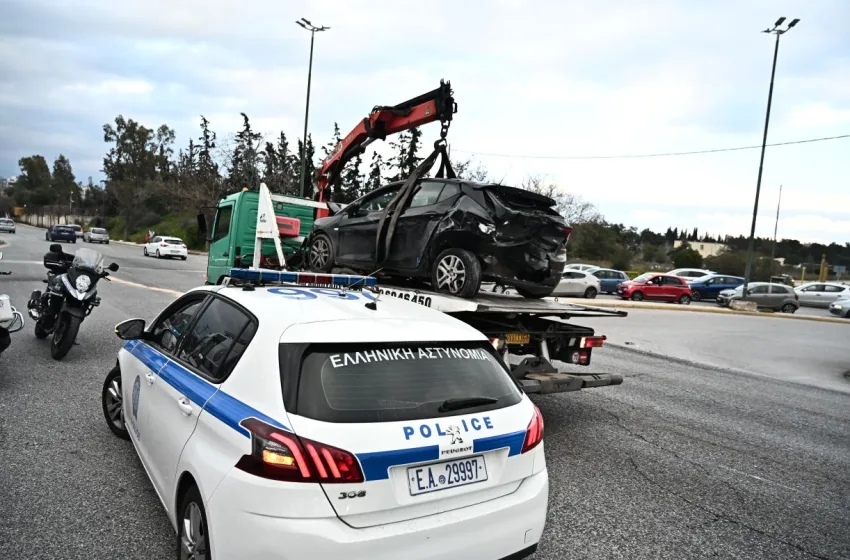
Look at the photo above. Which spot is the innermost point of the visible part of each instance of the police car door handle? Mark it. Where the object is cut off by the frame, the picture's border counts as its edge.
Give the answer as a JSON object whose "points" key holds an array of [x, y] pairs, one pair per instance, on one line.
{"points": [[185, 406], [149, 377]]}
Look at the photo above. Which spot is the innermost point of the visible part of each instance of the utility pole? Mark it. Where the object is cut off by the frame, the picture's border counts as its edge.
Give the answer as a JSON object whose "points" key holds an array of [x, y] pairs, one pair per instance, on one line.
{"points": [[776, 30], [775, 228], [312, 29]]}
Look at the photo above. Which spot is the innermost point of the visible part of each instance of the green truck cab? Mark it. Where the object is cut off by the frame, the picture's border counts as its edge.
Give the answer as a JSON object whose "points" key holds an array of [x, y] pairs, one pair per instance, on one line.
{"points": [[233, 233]]}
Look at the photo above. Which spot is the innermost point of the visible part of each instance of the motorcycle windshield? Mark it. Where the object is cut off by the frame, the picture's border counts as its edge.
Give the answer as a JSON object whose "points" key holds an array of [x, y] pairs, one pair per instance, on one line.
{"points": [[88, 259]]}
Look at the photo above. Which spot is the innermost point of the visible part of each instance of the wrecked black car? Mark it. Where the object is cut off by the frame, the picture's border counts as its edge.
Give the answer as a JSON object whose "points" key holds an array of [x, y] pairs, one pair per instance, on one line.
{"points": [[452, 233]]}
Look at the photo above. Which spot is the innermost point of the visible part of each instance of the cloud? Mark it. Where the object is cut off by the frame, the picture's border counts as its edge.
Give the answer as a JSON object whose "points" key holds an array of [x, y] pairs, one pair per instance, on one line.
{"points": [[541, 78]]}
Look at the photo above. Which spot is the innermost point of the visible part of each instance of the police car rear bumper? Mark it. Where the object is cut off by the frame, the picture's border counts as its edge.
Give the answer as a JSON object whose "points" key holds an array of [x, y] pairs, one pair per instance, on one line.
{"points": [[508, 527]]}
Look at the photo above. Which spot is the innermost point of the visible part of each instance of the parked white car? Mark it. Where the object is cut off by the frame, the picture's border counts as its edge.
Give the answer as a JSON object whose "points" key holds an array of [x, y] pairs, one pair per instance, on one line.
{"points": [[96, 235], [577, 283], [690, 274], [162, 246], [821, 294], [581, 267]]}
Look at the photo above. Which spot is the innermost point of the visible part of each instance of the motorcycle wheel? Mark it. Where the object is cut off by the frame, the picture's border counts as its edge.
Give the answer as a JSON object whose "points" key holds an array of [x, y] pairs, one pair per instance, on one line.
{"points": [[64, 335], [39, 330]]}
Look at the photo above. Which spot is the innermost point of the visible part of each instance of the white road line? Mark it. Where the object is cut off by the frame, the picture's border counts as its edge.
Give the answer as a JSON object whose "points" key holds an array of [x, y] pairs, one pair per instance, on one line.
{"points": [[146, 287]]}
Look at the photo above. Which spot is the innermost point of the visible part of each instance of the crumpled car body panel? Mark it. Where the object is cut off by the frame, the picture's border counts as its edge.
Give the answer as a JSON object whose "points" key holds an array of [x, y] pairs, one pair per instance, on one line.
{"points": [[519, 239]]}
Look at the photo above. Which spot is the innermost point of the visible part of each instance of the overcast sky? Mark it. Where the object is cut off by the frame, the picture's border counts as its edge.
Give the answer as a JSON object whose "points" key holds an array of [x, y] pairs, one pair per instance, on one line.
{"points": [[543, 78]]}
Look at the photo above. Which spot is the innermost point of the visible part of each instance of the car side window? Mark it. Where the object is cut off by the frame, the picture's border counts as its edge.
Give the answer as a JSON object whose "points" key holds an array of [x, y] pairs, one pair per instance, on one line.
{"points": [[760, 289], [377, 202], [776, 289], [427, 194], [222, 222], [834, 289], [217, 340], [672, 281], [167, 330], [449, 191]]}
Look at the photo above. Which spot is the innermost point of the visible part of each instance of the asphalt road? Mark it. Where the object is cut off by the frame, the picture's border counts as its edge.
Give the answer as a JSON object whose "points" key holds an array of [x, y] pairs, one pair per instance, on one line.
{"points": [[681, 461]]}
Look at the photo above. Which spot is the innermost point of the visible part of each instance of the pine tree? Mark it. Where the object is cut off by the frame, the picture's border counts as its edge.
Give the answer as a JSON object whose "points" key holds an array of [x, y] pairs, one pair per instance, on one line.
{"points": [[411, 159], [351, 182], [376, 170], [399, 157]]}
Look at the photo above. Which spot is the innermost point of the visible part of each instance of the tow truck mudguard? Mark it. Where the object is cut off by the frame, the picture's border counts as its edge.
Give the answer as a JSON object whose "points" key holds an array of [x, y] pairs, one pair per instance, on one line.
{"points": [[538, 375]]}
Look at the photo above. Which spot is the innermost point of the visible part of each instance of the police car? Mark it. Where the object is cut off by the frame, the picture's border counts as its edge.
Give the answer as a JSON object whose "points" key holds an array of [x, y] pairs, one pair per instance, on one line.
{"points": [[280, 420]]}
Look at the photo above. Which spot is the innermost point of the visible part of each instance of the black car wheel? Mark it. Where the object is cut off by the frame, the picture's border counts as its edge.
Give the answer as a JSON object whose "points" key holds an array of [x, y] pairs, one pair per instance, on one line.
{"points": [[192, 532], [789, 308], [456, 272], [320, 255], [637, 296], [590, 293], [112, 400], [685, 299], [696, 296]]}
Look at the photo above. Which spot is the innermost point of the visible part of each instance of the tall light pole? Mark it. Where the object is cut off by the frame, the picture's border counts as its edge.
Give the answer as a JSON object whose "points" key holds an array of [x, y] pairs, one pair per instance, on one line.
{"points": [[312, 29], [776, 30], [775, 229]]}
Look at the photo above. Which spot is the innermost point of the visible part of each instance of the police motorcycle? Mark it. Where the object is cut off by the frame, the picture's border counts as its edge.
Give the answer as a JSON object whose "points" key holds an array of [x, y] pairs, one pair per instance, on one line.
{"points": [[9, 317], [70, 296]]}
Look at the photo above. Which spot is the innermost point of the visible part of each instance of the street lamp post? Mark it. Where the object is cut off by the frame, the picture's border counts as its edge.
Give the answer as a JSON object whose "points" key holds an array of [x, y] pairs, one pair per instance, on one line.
{"points": [[775, 229], [776, 30], [312, 29]]}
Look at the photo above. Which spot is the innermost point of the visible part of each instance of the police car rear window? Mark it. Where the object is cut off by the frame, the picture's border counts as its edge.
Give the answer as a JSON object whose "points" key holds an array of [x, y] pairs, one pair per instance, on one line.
{"points": [[389, 383]]}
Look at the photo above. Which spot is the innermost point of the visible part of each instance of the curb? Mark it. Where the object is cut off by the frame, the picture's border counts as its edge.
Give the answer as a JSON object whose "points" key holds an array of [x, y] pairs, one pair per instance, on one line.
{"points": [[700, 309]]}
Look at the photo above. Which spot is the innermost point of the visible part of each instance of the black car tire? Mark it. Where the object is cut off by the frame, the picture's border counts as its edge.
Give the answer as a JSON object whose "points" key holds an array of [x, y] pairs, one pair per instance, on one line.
{"points": [[109, 403], [192, 499], [535, 292], [322, 245], [685, 299], [590, 293], [184, 258], [637, 296], [789, 308], [696, 296], [469, 266]]}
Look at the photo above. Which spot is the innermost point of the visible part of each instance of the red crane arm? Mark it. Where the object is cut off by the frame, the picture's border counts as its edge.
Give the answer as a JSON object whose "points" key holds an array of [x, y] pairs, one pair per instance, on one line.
{"points": [[436, 105]]}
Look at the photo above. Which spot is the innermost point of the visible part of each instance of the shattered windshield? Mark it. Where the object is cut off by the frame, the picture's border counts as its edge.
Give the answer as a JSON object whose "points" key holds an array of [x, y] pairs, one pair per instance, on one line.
{"points": [[88, 258]]}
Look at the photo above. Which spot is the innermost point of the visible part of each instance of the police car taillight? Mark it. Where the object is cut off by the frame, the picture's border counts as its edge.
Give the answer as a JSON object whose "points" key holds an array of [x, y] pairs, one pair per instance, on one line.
{"points": [[281, 455], [534, 433]]}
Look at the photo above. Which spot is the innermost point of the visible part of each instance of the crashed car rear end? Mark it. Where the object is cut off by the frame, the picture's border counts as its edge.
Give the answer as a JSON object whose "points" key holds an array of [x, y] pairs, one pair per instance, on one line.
{"points": [[453, 233]]}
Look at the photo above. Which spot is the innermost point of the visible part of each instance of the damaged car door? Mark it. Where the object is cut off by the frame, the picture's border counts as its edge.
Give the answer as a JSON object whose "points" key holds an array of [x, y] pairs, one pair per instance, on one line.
{"points": [[416, 225], [356, 232]]}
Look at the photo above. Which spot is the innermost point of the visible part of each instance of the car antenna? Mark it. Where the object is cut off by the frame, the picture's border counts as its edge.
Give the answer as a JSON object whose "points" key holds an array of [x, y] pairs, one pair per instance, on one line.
{"points": [[373, 305]]}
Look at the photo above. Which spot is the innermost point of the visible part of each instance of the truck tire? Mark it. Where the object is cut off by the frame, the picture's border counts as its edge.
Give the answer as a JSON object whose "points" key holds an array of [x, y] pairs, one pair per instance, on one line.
{"points": [[320, 254], [534, 292], [456, 272]]}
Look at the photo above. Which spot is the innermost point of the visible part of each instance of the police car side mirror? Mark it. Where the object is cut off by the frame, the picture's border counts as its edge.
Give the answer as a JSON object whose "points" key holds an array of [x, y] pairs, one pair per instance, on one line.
{"points": [[131, 329]]}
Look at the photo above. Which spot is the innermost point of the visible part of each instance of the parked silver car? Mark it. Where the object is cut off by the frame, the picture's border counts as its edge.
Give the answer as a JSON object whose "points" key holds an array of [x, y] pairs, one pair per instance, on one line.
{"points": [[7, 225], [821, 294], [777, 297], [840, 308], [96, 235]]}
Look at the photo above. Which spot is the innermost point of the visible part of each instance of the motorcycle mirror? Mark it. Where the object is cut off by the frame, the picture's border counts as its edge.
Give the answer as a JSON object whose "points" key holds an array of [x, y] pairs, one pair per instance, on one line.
{"points": [[56, 248], [131, 329], [112, 267]]}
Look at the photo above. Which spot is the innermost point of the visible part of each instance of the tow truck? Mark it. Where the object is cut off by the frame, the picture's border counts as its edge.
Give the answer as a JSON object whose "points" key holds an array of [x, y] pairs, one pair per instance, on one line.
{"points": [[258, 236]]}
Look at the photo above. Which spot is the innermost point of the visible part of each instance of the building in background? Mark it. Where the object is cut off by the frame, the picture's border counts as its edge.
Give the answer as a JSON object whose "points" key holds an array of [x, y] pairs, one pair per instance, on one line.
{"points": [[704, 248]]}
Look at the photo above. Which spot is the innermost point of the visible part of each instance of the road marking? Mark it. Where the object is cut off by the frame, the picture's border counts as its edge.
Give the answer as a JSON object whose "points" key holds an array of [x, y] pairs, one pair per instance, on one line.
{"points": [[146, 287]]}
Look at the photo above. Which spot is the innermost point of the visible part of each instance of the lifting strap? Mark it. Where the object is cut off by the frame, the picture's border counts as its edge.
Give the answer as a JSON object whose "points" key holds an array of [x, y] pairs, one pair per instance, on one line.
{"points": [[399, 202]]}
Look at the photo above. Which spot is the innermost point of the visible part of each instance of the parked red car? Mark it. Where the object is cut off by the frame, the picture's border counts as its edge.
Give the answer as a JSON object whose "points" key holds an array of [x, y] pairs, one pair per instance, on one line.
{"points": [[664, 287]]}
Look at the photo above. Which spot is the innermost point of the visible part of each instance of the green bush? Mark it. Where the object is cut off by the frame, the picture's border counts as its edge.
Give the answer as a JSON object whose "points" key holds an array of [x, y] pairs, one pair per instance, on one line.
{"points": [[184, 226]]}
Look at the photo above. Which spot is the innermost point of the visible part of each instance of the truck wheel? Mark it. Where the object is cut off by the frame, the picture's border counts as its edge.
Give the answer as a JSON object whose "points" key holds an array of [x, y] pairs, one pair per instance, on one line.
{"points": [[320, 254], [532, 292], [456, 272], [637, 296]]}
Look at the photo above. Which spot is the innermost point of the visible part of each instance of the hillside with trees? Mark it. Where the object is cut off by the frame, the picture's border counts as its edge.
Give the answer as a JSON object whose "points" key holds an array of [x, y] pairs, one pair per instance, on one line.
{"points": [[152, 184]]}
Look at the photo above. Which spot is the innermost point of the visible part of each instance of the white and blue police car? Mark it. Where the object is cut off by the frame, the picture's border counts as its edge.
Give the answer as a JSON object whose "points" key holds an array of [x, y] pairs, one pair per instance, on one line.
{"points": [[284, 420]]}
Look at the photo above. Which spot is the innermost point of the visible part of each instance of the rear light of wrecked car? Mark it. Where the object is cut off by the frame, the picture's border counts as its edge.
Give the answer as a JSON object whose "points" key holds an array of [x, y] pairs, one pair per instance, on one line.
{"points": [[567, 231]]}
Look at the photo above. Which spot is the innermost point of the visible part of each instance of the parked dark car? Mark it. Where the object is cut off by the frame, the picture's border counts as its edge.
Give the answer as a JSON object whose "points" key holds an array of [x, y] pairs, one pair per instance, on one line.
{"points": [[709, 286], [453, 233], [61, 233]]}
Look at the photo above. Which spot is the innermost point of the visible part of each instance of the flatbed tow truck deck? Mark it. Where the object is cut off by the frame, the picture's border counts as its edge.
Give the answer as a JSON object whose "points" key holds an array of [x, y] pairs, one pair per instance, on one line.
{"points": [[534, 330]]}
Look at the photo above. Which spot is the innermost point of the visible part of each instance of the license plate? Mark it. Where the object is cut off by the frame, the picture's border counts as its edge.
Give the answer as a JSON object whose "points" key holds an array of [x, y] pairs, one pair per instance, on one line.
{"points": [[517, 338], [445, 475]]}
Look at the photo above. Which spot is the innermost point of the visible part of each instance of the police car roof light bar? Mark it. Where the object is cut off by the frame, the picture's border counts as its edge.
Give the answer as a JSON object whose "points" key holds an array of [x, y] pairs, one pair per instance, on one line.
{"points": [[266, 276]]}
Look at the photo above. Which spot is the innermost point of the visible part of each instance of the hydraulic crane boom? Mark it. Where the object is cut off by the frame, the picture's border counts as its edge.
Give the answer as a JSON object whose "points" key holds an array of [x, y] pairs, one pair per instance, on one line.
{"points": [[436, 105]]}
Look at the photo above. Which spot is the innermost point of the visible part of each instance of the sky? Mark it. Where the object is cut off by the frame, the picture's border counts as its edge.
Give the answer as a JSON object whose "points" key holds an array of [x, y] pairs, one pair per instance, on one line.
{"points": [[538, 84]]}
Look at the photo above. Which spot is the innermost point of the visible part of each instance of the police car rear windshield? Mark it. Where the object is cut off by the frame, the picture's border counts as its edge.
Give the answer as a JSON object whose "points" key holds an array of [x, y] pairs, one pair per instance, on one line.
{"points": [[395, 382]]}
